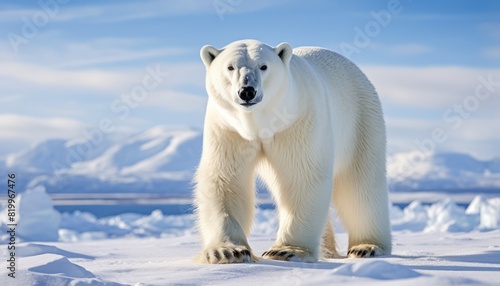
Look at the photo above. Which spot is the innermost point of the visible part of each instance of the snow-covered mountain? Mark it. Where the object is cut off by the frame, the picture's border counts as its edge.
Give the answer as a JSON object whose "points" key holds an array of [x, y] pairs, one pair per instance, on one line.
{"points": [[163, 160], [160, 160], [427, 171], [161, 152]]}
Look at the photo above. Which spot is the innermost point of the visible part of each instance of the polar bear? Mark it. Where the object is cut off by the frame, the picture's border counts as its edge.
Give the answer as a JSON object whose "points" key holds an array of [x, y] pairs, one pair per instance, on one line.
{"points": [[309, 123]]}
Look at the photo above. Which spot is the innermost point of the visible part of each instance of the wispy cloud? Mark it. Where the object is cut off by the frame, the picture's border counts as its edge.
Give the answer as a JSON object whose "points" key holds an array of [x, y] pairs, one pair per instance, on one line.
{"points": [[492, 29], [112, 12], [480, 129], [126, 11], [491, 53], [402, 49], [30, 129], [177, 101], [445, 16], [9, 98], [410, 49], [83, 75], [14, 73], [477, 136], [426, 87], [440, 98], [92, 56], [15, 15], [135, 10], [60, 52]]}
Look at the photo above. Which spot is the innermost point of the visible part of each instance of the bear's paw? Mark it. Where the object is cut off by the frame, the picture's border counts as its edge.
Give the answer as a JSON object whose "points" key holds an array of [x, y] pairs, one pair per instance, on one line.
{"points": [[290, 253], [364, 250], [226, 253]]}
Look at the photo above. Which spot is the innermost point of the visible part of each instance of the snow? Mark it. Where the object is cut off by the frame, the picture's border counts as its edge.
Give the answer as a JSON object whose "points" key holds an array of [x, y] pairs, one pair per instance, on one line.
{"points": [[469, 258], [438, 244], [52, 269], [378, 269]]}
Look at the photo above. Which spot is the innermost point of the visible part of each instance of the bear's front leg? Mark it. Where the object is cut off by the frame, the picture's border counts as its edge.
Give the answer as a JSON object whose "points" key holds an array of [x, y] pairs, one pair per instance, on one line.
{"points": [[224, 197], [224, 239], [302, 200], [302, 188], [302, 217]]}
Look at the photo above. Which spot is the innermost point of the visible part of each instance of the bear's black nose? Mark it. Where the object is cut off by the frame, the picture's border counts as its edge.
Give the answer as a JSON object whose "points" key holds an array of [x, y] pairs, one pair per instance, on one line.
{"points": [[247, 93]]}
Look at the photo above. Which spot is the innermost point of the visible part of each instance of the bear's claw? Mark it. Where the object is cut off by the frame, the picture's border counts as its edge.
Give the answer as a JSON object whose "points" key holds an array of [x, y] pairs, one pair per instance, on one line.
{"points": [[226, 253], [283, 255], [289, 253], [364, 250]]}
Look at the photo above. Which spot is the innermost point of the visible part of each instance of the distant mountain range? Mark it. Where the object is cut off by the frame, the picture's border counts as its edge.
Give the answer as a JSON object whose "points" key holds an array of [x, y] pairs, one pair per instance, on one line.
{"points": [[442, 171], [160, 160], [163, 160]]}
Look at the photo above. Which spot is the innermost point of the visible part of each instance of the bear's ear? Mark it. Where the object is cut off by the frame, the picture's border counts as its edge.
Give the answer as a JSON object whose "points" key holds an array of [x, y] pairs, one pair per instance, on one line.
{"points": [[208, 54], [284, 51]]}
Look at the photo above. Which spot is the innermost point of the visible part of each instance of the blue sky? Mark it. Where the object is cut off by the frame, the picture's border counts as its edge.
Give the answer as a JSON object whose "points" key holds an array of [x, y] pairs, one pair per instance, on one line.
{"points": [[65, 66]]}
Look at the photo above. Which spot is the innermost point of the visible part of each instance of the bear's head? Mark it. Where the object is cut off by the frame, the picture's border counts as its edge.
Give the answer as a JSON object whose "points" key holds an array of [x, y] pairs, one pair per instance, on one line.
{"points": [[245, 74]]}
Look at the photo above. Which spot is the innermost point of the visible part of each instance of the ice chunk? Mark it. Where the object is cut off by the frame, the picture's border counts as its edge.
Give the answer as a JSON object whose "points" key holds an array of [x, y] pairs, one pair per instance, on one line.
{"points": [[475, 205], [38, 220], [413, 217], [446, 216], [490, 214]]}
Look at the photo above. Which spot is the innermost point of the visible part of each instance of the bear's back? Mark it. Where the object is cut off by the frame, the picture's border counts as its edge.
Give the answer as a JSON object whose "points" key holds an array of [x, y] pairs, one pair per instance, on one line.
{"points": [[335, 70], [328, 62]]}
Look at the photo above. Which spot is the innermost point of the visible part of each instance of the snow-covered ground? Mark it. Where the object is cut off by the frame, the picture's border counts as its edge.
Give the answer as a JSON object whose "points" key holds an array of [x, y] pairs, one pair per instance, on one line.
{"points": [[418, 259], [438, 244]]}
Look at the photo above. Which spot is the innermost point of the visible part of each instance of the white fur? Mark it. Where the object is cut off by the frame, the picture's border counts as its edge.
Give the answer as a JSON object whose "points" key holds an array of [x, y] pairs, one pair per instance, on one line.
{"points": [[317, 126]]}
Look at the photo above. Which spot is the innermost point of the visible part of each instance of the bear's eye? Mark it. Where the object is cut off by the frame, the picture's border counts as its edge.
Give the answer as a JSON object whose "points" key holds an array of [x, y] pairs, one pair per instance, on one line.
{"points": [[231, 68], [263, 68]]}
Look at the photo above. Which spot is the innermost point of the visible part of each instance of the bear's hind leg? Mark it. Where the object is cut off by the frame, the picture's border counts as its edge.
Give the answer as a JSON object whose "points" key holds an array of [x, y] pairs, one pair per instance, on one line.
{"points": [[328, 244], [360, 197]]}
